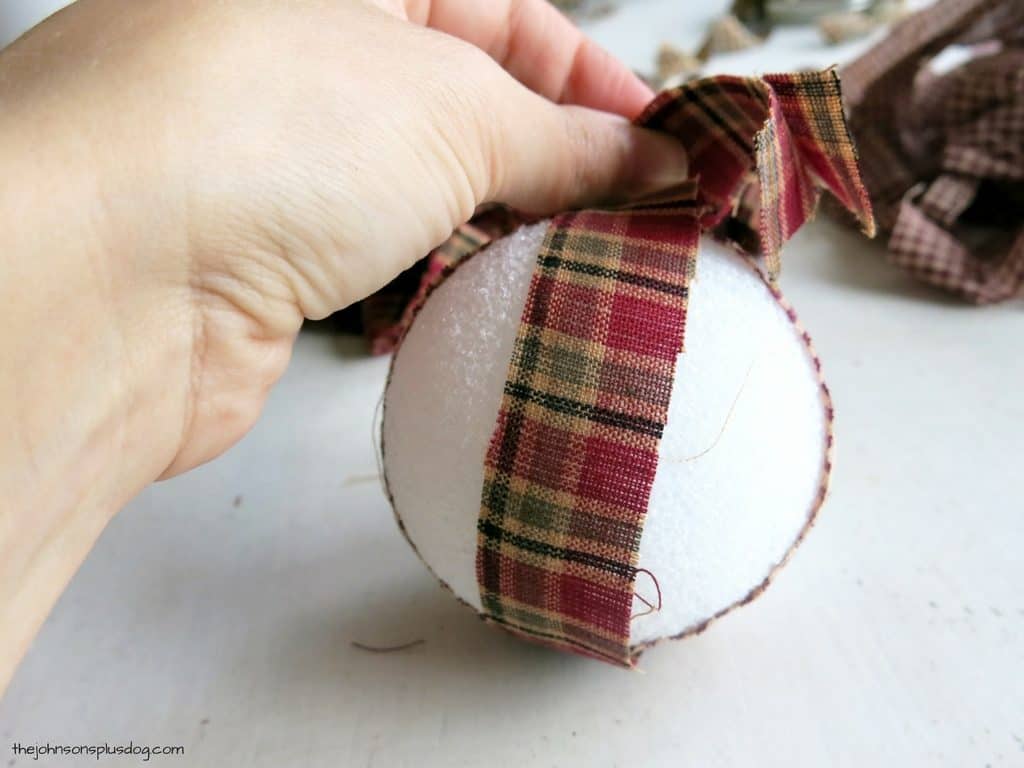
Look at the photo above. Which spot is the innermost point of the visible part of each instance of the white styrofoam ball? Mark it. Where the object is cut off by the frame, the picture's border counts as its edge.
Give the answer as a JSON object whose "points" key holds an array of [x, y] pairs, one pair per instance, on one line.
{"points": [[740, 463]]}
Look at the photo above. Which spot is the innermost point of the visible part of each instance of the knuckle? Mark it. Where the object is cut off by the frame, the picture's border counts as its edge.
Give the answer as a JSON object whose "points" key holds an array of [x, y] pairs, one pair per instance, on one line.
{"points": [[467, 109]]}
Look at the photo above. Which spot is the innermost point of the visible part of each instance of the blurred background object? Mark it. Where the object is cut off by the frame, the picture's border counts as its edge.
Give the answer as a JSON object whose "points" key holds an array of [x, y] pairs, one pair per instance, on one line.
{"points": [[807, 11], [726, 34], [942, 144], [18, 16]]}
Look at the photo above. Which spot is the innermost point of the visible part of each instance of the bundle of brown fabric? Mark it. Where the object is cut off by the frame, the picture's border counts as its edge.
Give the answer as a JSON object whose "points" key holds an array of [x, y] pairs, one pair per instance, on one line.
{"points": [[942, 154]]}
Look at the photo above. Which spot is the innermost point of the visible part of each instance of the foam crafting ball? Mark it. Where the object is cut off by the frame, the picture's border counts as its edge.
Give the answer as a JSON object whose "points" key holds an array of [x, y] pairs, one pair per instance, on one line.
{"points": [[743, 461]]}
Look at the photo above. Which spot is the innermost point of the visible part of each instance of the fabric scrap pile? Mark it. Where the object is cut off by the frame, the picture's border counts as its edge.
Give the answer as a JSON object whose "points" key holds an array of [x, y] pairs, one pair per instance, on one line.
{"points": [[942, 152]]}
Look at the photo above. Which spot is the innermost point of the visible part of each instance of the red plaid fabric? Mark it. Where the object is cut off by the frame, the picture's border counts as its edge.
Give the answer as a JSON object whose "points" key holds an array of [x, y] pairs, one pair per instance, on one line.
{"points": [[575, 449], [574, 453], [763, 149], [943, 154]]}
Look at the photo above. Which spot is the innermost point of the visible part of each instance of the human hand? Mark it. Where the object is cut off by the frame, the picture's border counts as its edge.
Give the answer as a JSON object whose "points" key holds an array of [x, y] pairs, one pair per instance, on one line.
{"points": [[186, 180], [282, 160]]}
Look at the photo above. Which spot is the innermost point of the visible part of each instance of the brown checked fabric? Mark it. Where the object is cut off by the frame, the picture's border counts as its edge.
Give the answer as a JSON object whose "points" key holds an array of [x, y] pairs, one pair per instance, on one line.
{"points": [[575, 449], [943, 153]]}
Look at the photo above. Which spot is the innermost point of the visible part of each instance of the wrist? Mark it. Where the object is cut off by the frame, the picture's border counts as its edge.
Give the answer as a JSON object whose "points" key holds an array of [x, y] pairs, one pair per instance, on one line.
{"points": [[96, 346]]}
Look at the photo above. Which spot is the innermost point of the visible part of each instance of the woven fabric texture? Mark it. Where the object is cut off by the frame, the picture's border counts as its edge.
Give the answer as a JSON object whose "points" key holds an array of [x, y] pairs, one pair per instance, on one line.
{"points": [[575, 449], [762, 150], [943, 154]]}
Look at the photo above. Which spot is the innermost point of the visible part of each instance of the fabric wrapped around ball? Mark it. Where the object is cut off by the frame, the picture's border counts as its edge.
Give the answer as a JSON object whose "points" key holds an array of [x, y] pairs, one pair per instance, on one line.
{"points": [[557, 453]]}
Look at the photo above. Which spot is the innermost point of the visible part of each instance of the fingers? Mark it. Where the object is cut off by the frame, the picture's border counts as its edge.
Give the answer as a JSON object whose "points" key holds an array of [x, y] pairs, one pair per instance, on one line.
{"points": [[546, 158], [541, 48]]}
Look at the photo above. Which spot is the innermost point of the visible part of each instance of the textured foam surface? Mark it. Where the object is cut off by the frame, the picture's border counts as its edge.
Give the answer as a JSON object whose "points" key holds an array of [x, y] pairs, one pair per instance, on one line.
{"points": [[740, 458]]}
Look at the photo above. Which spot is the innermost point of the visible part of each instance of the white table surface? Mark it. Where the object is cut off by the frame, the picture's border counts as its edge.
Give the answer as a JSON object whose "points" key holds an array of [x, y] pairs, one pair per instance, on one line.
{"points": [[218, 611]]}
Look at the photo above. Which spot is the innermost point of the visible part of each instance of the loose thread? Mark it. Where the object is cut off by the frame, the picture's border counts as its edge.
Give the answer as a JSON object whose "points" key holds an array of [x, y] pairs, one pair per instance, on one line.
{"points": [[728, 418], [387, 648], [351, 480], [376, 434], [643, 600], [650, 608]]}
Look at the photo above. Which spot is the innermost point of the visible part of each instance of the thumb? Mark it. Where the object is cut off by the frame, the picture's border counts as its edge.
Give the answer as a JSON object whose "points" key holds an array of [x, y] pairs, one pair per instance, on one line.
{"points": [[548, 158]]}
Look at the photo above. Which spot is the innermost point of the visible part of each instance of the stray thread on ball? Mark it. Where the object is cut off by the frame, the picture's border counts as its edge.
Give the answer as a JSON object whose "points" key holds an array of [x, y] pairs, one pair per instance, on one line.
{"points": [[725, 424], [650, 607]]}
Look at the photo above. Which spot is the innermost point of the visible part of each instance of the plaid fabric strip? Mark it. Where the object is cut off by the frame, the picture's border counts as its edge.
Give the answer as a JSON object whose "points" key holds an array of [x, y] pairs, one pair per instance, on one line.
{"points": [[768, 144], [572, 460], [944, 162], [575, 449]]}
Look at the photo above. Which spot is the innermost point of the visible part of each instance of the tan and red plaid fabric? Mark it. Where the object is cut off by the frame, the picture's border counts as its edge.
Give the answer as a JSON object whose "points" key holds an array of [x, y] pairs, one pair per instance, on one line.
{"points": [[943, 154], [575, 450], [762, 150]]}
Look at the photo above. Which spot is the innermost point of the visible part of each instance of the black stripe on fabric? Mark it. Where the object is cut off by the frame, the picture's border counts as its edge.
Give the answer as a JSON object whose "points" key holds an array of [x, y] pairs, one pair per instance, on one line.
{"points": [[556, 240], [510, 442], [714, 113], [594, 270], [580, 410], [499, 535]]}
